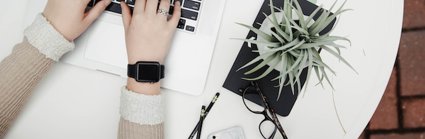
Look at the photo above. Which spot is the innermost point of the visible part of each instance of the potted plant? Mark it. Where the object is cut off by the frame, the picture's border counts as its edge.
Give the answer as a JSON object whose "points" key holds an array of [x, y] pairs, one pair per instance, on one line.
{"points": [[290, 42]]}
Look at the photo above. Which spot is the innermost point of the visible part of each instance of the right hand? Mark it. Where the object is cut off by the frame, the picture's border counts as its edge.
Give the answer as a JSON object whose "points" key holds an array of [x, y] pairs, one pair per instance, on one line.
{"points": [[69, 16], [148, 33], [148, 36]]}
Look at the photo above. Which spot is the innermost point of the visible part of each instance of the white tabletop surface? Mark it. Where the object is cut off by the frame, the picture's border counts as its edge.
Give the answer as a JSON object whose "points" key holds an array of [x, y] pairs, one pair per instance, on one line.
{"points": [[72, 102]]}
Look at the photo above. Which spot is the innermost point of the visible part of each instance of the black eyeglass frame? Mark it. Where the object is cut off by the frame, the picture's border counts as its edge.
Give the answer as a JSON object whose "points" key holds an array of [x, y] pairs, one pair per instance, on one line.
{"points": [[267, 109]]}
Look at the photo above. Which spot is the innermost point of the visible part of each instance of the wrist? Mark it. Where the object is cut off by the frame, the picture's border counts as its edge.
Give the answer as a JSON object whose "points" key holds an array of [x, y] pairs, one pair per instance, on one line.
{"points": [[143, 88], [145, 76], [49, 41], [135, 60]]}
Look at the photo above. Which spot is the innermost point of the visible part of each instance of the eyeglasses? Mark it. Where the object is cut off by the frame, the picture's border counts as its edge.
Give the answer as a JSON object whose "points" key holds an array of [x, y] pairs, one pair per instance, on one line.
{"points": [[270, 122]]}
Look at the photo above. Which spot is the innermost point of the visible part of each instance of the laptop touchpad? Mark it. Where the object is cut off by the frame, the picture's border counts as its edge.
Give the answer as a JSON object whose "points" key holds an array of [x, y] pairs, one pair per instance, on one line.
{"points": [[106, 44]]}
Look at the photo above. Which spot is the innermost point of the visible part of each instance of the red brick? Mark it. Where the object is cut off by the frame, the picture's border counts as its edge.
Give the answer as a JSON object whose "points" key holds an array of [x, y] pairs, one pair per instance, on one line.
{"points": [[362, 136], [412, 63], [399, 136], [414, 14], [385, 116], [414, 113]]}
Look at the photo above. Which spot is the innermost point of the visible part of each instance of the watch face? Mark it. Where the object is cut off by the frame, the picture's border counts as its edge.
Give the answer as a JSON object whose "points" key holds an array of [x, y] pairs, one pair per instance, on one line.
{"points": [[149, 72]]}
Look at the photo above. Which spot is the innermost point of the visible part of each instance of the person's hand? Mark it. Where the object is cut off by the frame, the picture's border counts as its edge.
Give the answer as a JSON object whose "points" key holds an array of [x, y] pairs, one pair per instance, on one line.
{"points": [[149, 33], [69, 16]]}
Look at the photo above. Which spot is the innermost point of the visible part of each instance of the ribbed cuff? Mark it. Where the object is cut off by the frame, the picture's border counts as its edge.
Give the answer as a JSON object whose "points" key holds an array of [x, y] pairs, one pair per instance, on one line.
{"points": [[43, 36], [141, 109]]}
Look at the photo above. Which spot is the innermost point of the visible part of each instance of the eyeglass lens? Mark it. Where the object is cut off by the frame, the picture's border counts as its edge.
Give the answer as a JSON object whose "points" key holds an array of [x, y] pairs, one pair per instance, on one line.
{"points": [[267, 129], [250, 93]]}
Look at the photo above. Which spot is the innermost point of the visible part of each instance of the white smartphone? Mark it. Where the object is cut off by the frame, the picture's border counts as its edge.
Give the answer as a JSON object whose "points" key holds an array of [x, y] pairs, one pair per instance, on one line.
{"points": [[235, 132]]}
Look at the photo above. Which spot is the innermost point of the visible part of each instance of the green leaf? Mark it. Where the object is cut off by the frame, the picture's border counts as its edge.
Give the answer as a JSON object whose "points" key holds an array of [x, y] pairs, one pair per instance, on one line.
{"points": [[304, 61], [295, 26], [295, 47], [333, 5], [279, 30], [314, 45], [309, 69], [272, 12], [298, 82], [333, 38], [310, 18], [322, 64], [259, 66], [286, 46], [291, 80], [258, 32], [300, 14], [294, 53], [277, 36], [282, 76], [297, 63], [319, 22], [338, 50], [272, 65], [267, 43], [340, 8], [327, 78], [318, 43], [283, 72], [258, 58], [288, 27], [339, 57], [286, 7], [318, 76], [327, 21]]}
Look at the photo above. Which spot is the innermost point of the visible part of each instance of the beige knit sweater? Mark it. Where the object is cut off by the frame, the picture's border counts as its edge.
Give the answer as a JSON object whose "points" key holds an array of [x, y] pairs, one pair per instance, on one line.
{"points": [[141, 115]]}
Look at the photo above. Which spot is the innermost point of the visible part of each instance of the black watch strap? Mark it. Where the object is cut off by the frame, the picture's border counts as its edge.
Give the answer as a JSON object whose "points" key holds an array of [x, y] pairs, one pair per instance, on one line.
{"points": [[132, 71]]}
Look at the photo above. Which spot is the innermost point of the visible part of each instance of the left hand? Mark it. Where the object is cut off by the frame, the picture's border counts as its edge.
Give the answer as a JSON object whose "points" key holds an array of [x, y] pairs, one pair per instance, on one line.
{"points": [[69, 16], [149, 34]]}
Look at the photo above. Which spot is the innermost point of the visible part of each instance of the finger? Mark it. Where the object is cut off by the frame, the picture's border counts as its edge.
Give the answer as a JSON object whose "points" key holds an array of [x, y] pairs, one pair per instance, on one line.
{"points": [[151, 7], [88, 1], [176, 14], [126, 15], [165, 6], [139, 7], [96, 11]]}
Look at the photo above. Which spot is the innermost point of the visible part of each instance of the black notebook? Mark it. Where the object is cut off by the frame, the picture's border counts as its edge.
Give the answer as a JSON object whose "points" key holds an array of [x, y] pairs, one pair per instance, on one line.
{"points": [[234, 81]]}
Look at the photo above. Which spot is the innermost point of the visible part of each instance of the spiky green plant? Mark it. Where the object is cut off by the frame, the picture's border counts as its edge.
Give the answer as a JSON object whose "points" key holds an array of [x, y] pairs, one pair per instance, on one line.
{"points": [[294, 43]]}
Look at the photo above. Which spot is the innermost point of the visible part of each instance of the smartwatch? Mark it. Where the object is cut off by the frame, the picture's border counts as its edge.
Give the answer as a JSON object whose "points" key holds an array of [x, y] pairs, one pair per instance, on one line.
{"points": [[146, 71]]}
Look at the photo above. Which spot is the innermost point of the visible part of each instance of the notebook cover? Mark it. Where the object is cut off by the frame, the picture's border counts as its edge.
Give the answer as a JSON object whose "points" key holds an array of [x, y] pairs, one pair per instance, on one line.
{"points": [[234, 80]]}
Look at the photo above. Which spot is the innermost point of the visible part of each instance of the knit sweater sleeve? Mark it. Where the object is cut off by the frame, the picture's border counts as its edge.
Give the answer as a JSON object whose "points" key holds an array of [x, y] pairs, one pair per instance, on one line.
{"points": [[141, 116], [19, 74], [22, 70], [30, 60]]}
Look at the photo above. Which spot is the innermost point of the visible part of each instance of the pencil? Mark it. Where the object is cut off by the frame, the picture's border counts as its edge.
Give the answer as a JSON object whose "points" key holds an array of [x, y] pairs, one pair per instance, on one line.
{"points": [[201, 120], [206, 114]]}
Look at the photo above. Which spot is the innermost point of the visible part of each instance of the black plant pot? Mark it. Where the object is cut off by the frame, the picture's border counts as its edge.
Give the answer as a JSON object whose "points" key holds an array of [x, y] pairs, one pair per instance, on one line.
{"points": [[234, 81]]}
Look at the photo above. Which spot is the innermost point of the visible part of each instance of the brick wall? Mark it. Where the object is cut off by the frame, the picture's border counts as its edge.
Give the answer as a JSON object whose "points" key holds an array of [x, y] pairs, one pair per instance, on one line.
{"points": [[401, 112]]}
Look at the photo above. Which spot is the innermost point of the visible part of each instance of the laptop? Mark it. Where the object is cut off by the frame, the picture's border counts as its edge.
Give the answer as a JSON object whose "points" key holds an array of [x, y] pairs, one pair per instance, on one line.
{"points": [[102, 46]]}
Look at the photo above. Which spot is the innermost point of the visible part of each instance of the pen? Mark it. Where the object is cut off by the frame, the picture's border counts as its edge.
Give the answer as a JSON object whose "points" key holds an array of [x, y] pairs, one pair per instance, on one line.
{"points": [[201, 121], [212, 103], [206, 114]]}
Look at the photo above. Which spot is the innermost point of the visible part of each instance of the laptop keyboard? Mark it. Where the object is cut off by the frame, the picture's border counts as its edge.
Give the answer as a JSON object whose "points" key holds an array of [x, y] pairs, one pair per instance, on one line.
{"points": [[189, 17]]}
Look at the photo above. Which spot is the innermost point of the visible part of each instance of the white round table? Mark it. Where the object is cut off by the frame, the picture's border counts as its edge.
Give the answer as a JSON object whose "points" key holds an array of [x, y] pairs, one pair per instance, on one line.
{"points": [[76, 103]]}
